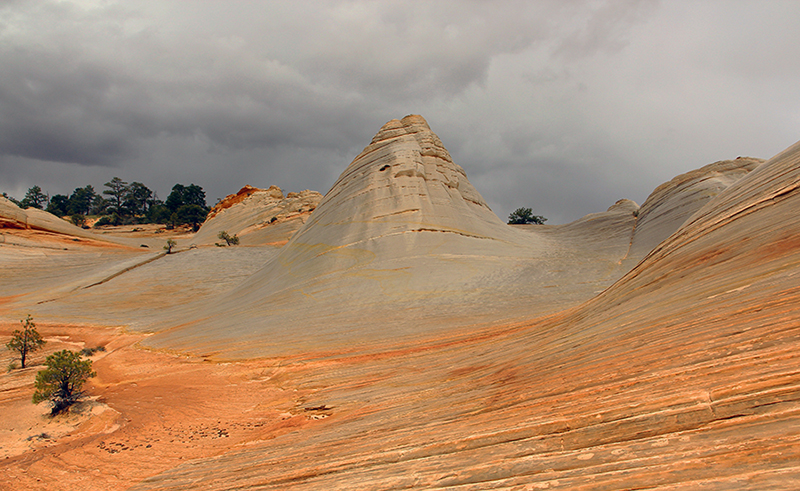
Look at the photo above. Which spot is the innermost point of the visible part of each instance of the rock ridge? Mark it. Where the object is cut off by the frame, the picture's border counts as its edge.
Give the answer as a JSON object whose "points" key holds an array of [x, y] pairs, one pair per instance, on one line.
{"points": [[258, 216]]}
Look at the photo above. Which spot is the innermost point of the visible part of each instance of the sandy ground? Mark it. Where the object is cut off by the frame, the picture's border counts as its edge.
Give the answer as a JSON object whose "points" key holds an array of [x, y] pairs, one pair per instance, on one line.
{"points": [[146, 412]]}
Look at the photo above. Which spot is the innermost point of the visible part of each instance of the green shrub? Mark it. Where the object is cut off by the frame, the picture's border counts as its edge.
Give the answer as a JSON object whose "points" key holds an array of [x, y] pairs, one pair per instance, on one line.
{"points": [[61, 382], [78, 220], [92, 351], [228, 239], [113, 219], [522, 216], [170, 245]]}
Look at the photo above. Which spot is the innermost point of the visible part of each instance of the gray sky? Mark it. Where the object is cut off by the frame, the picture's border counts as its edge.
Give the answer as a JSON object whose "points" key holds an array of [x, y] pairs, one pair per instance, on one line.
{"points": [[562, 106]]}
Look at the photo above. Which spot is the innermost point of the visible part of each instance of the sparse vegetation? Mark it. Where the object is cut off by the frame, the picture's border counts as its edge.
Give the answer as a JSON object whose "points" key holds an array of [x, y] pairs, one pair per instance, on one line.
{"points": [[522, 216], [190, 214], [92, 351], [11, 198], [187, 205], [112, 219], [26, 341], [170, 245], [229, 240], [78, 220], [117, 189], [34, 198], [61, 382]]}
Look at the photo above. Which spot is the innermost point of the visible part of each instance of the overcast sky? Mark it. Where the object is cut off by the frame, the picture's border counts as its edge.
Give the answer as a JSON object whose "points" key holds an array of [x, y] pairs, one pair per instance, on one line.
{"points": [[562, 106]]}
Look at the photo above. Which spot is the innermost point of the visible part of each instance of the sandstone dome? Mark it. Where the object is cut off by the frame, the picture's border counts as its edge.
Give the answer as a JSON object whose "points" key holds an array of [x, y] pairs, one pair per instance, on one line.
{"points": [[682, 375], [404, 239], [402, 235], [407, 338], [258, 216]]}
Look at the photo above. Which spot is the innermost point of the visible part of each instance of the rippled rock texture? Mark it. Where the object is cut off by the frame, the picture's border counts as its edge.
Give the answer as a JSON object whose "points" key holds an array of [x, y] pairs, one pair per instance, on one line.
{"points": [[404, 246], [258, 216], [684, 374], [406, 338]]}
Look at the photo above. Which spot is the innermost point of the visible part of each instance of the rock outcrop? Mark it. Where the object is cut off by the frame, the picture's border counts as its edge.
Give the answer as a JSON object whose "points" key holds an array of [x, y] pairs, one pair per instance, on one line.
{"points": [[404, 237], [673, 202], [405, 338], [683, 375], [258, 216], [14, 217]]}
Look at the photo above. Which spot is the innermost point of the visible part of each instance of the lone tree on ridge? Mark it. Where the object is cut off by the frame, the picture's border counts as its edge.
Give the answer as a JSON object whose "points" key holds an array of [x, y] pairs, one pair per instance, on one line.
{"points": [[61, 382], [522, 216], [170, 245], [25, 341], [230, 240]]}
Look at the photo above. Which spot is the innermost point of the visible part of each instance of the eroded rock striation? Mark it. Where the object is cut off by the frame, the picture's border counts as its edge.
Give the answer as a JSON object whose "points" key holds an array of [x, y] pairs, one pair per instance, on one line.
{"points": [[682, 375], [402, 239], [674, 202], [258, 216], [405, 338], [15, 218], [404, 236]]}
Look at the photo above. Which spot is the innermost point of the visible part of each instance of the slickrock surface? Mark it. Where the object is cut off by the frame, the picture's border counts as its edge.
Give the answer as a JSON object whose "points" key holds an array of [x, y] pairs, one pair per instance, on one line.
{"points": [[258, 216], [404, 238], [16, 221], [148, 412], [672, 203], [406, 338], [684, 374]]}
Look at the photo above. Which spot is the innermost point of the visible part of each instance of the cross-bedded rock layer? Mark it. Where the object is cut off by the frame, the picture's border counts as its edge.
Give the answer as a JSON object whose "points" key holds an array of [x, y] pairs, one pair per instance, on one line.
{"points": [[388, 316], [682, 375], [258, 216], [402, 239]]}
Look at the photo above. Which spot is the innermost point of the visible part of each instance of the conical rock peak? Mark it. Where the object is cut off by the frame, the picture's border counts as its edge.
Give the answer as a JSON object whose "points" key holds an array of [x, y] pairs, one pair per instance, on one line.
{"points": [[404, 181]]}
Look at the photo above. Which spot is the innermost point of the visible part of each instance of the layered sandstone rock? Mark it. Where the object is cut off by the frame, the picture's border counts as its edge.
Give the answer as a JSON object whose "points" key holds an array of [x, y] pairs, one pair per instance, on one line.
{"points": [[13, 217], [673, 202], [652, 347], [403, 236], [683, 375], [258, 216]]}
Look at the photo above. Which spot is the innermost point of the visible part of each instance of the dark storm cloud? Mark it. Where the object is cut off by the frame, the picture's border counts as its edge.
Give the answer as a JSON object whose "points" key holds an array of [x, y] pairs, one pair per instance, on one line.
{"points": [[52, 109], [95, 83], [565, 106]]}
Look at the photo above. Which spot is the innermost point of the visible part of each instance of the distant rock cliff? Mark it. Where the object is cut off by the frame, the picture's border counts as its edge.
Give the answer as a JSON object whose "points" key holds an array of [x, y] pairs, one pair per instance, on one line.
{"points": [[258, 216]]}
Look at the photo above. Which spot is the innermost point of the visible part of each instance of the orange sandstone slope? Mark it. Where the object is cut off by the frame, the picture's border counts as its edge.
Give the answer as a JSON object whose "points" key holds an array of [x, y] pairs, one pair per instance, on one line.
{"points": [[685, 374]]}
